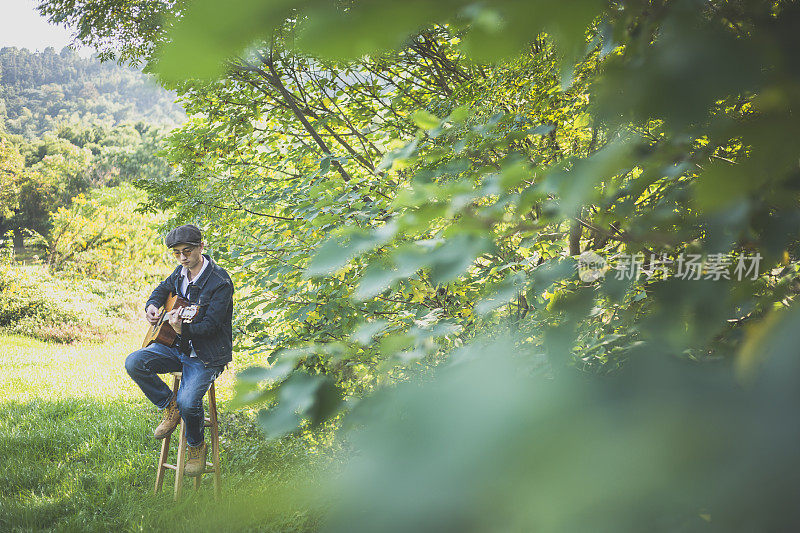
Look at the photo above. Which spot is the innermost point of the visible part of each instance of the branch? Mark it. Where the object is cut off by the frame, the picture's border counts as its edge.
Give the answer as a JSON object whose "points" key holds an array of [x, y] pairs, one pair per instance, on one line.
{"points": [[240, 208]]}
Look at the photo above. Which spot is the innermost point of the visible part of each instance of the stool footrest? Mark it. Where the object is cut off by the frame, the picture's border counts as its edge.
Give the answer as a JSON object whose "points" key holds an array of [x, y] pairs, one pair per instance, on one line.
{"points": [[209, 467]]}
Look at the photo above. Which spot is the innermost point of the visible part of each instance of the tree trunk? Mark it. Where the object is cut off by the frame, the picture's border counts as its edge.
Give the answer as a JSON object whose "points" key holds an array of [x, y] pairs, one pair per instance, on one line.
{"points": [[575, 235], [19, 239]]}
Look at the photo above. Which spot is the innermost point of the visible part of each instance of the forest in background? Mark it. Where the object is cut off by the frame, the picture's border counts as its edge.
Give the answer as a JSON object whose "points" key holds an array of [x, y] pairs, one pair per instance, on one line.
{"points": [[75, 134], [68, 125], [44, 91]]}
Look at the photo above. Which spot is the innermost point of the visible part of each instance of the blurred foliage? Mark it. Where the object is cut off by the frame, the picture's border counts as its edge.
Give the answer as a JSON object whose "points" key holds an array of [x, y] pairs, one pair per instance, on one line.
{"points": [[403, 192], [663, 445]]}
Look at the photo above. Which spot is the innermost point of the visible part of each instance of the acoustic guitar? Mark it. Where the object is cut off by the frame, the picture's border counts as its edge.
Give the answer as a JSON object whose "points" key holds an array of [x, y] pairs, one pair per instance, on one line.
{"points": [[162, 332]]}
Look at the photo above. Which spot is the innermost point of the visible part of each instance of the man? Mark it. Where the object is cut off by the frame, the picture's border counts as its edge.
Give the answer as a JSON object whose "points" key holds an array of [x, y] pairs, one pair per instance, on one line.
{"points": [[202, 348]]}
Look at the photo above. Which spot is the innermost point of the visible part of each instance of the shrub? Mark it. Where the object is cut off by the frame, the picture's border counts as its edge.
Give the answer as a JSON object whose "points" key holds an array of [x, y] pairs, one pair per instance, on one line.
{"points": [[26, 310]]}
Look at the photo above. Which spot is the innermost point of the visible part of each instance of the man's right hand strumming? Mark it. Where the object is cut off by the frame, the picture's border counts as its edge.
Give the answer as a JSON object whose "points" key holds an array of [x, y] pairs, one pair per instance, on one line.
{"points": [[152, 314]]}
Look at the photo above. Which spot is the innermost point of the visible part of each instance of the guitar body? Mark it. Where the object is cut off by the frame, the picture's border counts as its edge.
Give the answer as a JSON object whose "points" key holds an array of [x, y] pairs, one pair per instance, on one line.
{"points": [[161, 332]]}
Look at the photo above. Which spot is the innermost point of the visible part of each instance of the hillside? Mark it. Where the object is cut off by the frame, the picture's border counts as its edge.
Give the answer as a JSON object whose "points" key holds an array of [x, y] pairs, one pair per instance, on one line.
{"points": [[39, 91]]}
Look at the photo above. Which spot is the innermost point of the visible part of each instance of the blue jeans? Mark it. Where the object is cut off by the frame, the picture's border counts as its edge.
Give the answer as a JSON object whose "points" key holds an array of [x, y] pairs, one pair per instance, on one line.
{"points": [[145, 364]]}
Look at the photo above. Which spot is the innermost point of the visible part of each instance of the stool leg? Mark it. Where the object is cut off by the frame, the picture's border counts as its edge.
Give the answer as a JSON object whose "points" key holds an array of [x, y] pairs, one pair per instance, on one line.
{"points": [[212, 407], [181, 462], [197, 481], [162, 458]]}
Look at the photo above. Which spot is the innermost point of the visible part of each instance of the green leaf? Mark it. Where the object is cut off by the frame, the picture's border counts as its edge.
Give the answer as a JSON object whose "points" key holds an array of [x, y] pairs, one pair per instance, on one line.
{"points": [[327, 400], [336, 252], [302, 396], [325, 164], [425, 120], [459, 114], [366, 331], [247, 394], [542, 129], [256, 374], [455, 256], [577, 186], [396, 342], [377, 278], [399, 155], [208, 33], [500, 294], [691, 65], [513, 175], [278, 421], [550, 272]]}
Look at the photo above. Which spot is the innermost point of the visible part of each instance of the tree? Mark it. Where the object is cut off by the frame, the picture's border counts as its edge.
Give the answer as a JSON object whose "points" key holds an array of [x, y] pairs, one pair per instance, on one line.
{"points": [[56, 172], [65, 88], [44, 175], [118, 29], [504, 173], [102, 236], [11, 165], [397, 201]]}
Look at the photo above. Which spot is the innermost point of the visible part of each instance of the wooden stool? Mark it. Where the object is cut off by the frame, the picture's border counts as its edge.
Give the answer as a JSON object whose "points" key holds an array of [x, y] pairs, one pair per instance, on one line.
{"points": [[210, 422]]}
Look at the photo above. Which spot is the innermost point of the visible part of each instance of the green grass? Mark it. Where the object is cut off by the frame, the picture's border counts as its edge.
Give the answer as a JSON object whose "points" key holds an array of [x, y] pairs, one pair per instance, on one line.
{"points": [[77, 452]]}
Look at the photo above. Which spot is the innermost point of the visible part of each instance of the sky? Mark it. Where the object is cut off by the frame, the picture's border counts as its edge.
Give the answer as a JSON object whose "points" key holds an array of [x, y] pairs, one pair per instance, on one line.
{"points": [[23, 27]]}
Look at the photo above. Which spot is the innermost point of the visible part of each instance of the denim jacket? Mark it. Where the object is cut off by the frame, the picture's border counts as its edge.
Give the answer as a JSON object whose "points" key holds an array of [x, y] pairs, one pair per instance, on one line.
{"points": [[210, 331]]}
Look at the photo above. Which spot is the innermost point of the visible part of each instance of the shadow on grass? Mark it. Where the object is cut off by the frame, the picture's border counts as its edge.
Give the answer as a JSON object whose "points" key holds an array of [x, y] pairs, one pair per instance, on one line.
{"points": [[88, 465]]}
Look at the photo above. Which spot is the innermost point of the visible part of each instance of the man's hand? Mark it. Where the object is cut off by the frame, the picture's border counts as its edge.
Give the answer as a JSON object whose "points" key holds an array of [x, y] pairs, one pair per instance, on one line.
{"points": [[175, 321], [152, 314]]}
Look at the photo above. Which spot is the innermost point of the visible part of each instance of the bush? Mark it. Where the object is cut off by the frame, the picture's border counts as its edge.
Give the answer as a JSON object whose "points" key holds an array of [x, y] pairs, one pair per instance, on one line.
{"points": [[26, 310]]}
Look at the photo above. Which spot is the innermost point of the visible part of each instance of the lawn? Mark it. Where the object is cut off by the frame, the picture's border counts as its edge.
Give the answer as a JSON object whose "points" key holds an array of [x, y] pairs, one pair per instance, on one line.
{"points": [[77, 451]]}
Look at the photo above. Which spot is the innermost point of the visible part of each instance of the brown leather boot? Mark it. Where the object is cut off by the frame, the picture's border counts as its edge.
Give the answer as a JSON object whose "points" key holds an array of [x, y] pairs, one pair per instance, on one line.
{"points": [[196, 462], [171, 418]]}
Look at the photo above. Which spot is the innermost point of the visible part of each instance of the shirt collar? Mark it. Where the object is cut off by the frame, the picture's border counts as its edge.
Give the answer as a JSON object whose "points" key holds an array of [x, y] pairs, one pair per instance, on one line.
{"points": [[185, 271]]}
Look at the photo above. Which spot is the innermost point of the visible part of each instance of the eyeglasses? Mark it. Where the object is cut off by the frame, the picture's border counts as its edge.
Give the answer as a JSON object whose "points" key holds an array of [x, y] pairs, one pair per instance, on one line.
{"points": [[186, 252]]}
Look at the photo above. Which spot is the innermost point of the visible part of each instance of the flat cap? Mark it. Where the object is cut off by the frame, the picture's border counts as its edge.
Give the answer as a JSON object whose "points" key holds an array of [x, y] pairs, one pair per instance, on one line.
{"points": [[186, 234]]}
